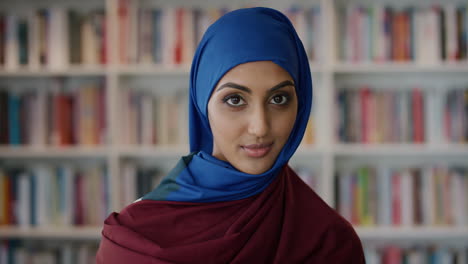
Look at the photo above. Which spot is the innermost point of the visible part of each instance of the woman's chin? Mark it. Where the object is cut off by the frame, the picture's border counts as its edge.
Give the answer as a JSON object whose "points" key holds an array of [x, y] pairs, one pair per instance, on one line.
{"points": [[255, 167]]}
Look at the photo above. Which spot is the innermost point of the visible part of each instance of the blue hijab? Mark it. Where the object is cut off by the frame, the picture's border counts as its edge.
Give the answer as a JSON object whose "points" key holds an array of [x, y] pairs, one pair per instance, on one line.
{"points": [[240, 36]]}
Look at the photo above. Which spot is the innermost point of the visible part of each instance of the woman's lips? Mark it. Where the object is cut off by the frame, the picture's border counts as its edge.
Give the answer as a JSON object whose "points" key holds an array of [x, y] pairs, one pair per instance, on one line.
{"points": [[257, 150]]}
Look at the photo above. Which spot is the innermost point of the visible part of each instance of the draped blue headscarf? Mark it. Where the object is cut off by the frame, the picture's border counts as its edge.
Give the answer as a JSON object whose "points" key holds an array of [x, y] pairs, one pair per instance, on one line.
{"points": [[240, 36]]}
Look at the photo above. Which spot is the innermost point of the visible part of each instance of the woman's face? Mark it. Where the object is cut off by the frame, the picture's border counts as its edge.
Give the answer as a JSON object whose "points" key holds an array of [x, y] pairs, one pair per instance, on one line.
{"points": [[251, 112]]}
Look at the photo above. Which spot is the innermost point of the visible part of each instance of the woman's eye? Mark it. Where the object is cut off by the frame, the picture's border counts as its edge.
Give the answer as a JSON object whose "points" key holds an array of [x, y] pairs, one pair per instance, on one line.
{"points": [[234, 100], [279, 99]]}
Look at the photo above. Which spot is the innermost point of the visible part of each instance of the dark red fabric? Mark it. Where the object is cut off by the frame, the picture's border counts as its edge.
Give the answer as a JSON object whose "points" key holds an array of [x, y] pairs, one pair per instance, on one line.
{"points": [[286, 223]]}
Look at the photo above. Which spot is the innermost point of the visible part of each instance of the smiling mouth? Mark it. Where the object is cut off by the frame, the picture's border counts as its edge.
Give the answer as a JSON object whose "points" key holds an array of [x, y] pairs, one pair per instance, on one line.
{"points": [[257, 150]]}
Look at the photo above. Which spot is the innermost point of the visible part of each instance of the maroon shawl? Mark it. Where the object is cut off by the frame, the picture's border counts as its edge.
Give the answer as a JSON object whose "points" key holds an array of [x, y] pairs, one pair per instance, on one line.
{"points": [[286, 223]]}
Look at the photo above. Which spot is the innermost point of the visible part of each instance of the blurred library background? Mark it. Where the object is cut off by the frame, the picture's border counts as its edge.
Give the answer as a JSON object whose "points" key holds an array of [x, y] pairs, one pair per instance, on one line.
{"points": [[93, 112]]}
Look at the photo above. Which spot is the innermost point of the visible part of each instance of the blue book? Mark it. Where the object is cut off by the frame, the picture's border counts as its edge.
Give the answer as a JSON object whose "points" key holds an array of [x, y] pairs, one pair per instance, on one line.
{"points": [[33, 191], [14, 103], [157, 40]]}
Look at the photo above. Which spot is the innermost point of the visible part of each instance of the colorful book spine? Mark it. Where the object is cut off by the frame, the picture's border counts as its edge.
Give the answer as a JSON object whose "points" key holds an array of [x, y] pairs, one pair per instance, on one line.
{"points": [[168, 36], [54, 117], [426, 35], [385, 196], [43, 196], [52, 37], [425, 253], [369, 115]]}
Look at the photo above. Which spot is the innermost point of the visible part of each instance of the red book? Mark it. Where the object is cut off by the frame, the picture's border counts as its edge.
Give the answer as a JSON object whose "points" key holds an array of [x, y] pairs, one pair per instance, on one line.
{"points": [[101, 115], [396, 198], [418, 116], [10, 200], [68, 122], [62, 119], [72, 116], [103, 48], [95, 119], [364, 96], [406, 35], [400, 36], [392, 255], [179, 36], [79, 200], [123, 36]]}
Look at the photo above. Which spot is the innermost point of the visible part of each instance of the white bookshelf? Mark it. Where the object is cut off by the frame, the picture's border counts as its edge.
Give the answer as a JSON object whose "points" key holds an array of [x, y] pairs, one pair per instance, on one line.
{"points": [[54, 152], [62, 233], [400, 149], [402, 67], [326, 155], [424, 234]]}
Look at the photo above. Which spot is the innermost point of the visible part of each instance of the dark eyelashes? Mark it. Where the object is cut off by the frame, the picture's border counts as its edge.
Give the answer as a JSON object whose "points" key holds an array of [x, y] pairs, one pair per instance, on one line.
{"points": [[226, 98], [286, 95]]}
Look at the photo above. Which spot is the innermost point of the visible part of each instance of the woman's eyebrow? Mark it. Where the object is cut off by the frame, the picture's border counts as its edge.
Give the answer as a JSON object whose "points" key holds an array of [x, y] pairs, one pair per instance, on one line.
{"points": [[235, 86], [281, 85], [246, 89]]}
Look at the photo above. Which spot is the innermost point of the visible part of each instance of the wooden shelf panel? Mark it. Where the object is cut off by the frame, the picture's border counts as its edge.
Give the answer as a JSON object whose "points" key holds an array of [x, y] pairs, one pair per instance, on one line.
{"points": [[44, 72], [179, 150], [53, 152], [152, 151], [400, 149], [453, 234], [75, 233], [397, 67]]}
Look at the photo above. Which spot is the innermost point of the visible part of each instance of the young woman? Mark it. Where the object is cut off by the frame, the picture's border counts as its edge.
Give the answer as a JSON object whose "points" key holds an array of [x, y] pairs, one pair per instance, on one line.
{"points": [[234, 199]]}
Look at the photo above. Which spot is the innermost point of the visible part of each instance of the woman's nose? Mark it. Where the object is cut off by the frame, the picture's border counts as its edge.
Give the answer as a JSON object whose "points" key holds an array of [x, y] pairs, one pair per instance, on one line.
{"points": [[259, 122]]}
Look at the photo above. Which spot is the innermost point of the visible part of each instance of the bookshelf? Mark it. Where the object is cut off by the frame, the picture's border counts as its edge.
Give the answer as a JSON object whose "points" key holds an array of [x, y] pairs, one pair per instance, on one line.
{"points": [[330, 73]]}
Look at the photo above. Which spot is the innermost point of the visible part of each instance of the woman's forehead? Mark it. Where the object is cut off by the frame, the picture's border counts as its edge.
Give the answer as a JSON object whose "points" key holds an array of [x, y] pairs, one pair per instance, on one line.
{"points": [[263, 73]]}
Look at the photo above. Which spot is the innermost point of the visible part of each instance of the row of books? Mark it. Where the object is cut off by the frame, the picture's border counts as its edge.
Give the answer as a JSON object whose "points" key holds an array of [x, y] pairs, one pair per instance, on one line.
{"points": [[38, 252], [45, 195], [170, 35], [59, 116], [368, 115], [456, 115], [52, 37], [149, 118], [426, 35], [381, 195], [392, 254]]}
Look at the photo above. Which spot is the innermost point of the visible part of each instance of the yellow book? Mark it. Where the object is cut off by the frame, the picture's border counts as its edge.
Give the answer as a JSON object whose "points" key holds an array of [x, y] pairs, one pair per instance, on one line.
{"points": [[360, 197], [363, 198]]}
